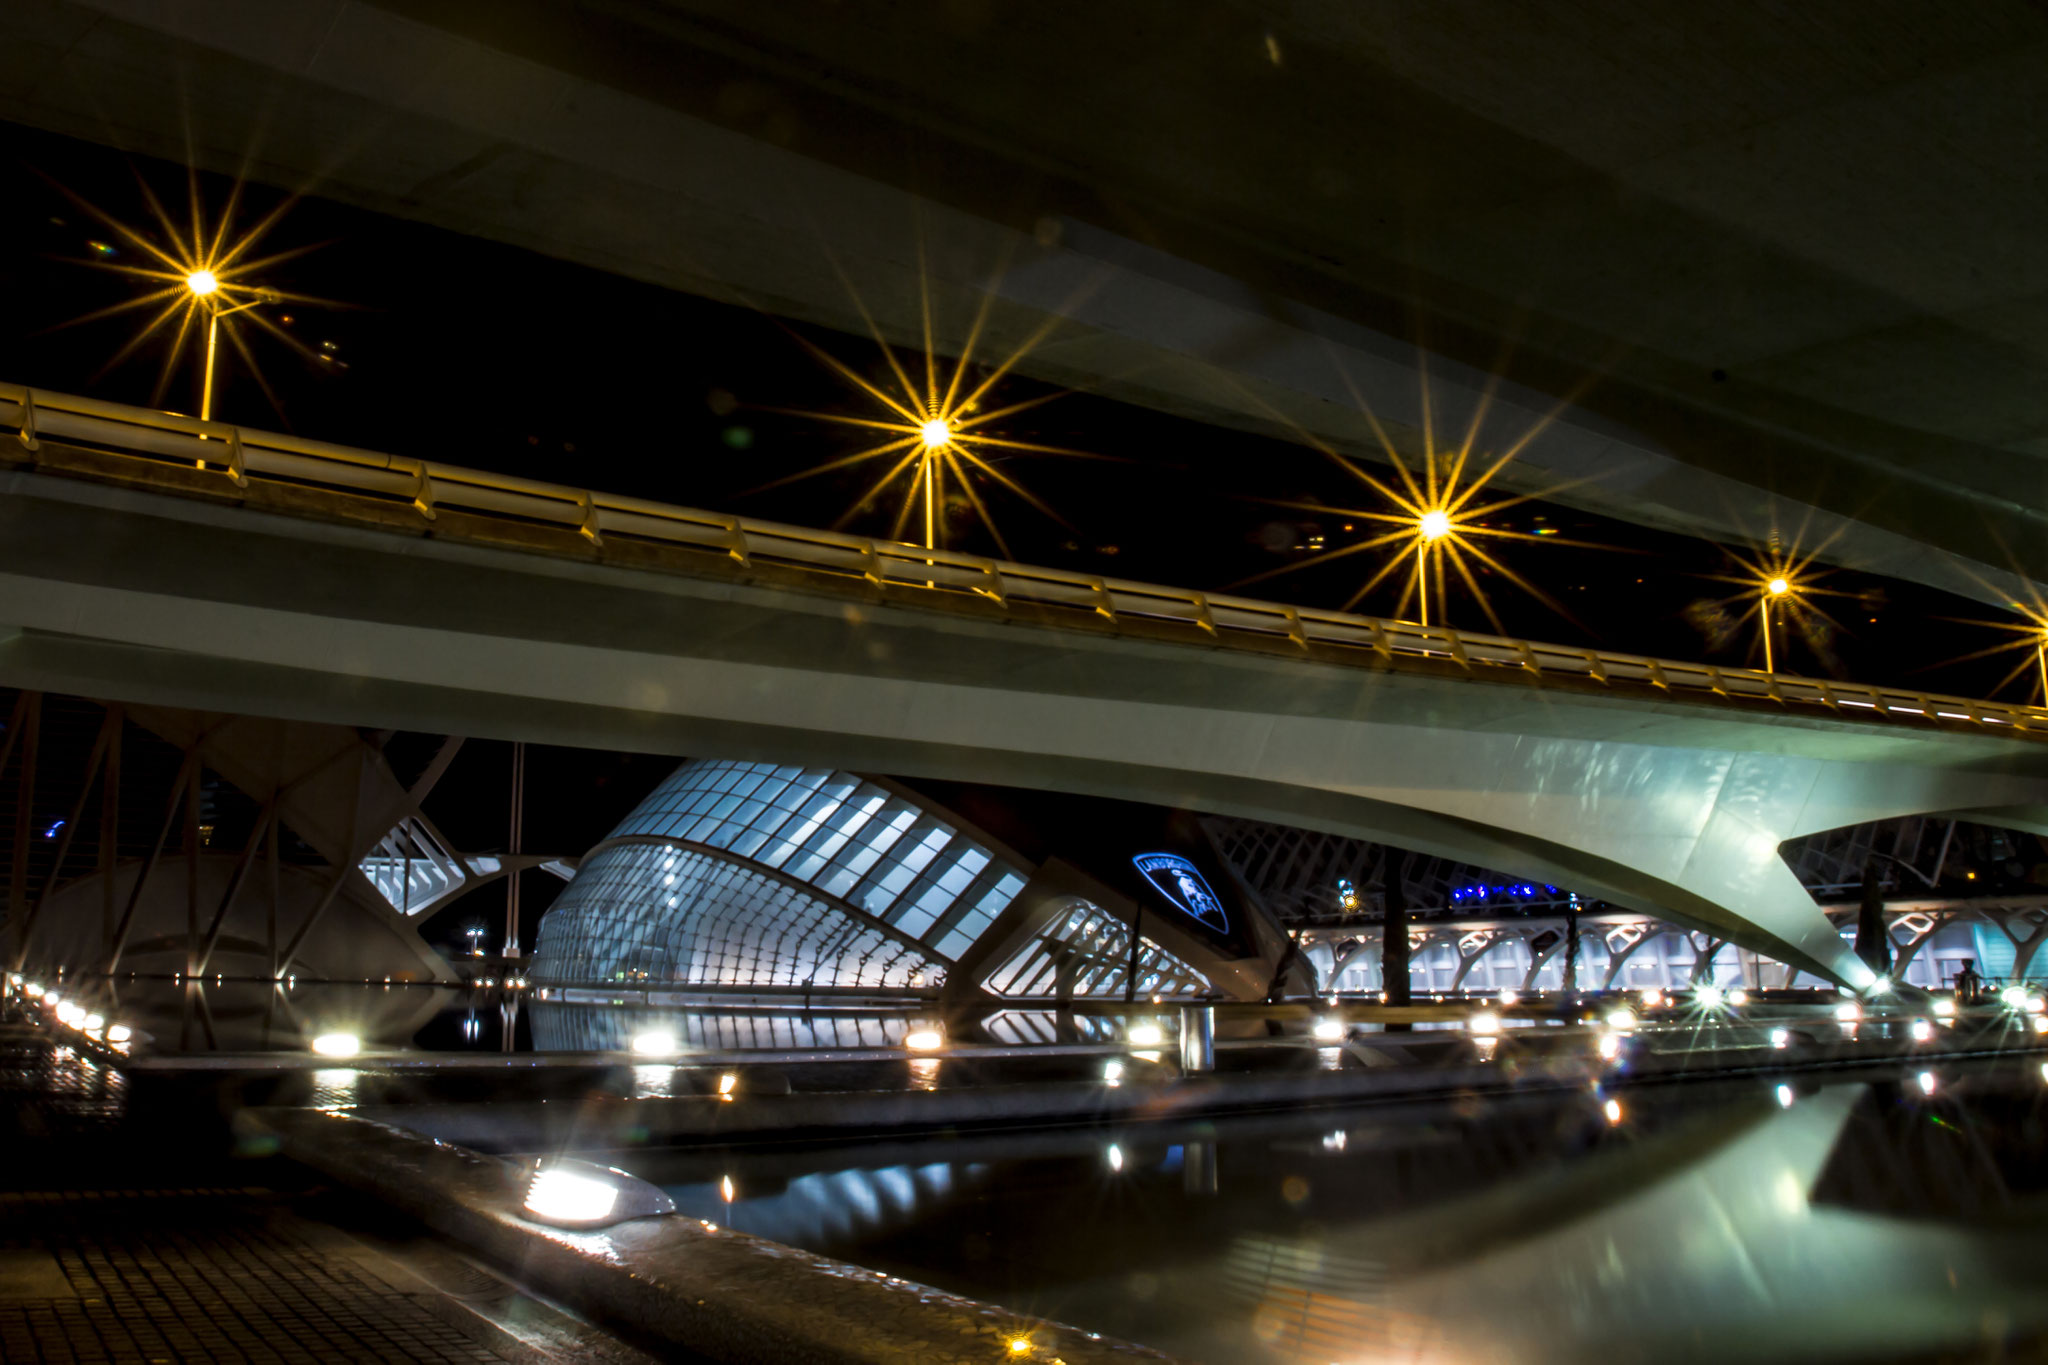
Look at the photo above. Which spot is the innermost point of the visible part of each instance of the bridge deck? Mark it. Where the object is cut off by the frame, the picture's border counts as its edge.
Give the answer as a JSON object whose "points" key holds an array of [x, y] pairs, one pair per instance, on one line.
{"points": [[109, 442]]}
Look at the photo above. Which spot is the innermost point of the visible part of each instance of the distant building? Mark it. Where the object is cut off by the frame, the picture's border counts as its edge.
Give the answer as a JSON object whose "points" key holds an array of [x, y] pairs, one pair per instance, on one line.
{"points": [[737, 874]]}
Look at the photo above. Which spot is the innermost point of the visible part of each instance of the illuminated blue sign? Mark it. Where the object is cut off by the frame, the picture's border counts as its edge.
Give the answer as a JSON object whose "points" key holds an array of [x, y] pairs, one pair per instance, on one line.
{"points": [[1175, 878]]}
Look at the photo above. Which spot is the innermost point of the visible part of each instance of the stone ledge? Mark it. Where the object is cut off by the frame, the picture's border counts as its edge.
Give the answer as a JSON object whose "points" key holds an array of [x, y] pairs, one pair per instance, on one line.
{"points": [[707, 1290]]}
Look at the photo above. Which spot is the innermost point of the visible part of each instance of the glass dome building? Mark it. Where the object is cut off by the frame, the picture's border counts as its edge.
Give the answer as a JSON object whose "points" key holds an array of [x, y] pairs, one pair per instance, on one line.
{"points": [[739, 874]]}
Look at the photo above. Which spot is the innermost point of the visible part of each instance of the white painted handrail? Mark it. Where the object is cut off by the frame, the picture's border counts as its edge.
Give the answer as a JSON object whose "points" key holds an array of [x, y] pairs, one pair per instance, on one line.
{"points": [[429, 487]]}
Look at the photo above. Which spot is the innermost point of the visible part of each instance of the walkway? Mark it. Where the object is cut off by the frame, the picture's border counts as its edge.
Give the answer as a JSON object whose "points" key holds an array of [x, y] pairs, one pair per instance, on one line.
{"points": [[106, 1254]]}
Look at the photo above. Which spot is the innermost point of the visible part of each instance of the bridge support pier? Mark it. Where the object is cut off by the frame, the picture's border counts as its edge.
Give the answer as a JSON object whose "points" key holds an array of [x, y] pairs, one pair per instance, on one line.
{"points": [[1198, 1037]]}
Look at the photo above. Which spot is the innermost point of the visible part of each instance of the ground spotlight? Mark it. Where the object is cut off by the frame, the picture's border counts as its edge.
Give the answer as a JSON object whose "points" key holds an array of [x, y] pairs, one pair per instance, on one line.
{"points": [[1709, 997], [924, 1038], [1621, 1020], [1781, 1038], [1329, 1029], [655, 1043], [337, 1045], [1920, 1030], [1146, 1033], [578, 1194]]}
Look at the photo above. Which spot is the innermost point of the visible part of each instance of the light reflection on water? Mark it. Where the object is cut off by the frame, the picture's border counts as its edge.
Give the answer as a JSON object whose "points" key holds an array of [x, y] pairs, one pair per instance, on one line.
{"points": [[335, 1088], [1864, 1220], [245, 1015]]}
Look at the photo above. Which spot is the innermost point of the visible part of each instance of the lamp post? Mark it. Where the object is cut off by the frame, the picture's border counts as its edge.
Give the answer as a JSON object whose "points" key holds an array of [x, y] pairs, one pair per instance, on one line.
{"points": [[1431, 527], [936, 434], [1778, 586], [205, 286]]}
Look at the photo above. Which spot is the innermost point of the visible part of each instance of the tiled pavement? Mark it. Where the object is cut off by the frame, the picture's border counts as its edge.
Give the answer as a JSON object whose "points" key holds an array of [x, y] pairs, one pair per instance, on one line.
{"points": [[124, 1237], [200, 1275]]}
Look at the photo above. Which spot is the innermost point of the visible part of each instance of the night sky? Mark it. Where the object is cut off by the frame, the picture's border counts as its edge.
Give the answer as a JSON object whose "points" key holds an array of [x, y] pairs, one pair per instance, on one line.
{"points": [[471, 353]]}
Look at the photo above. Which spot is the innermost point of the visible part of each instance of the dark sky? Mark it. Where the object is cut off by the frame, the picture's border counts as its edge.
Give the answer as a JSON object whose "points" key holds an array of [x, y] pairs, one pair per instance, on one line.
{"points": [[483, 355], [497, 358]]}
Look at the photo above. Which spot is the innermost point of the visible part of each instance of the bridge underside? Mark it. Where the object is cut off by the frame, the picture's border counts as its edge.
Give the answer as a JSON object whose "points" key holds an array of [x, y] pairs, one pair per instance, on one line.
{"points": [[1778, 278], [1669, 807]]}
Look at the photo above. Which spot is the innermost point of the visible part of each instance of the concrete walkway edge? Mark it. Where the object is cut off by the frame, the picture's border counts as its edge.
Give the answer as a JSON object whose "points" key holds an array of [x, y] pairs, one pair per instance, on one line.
{"points": [[708, 1290]]}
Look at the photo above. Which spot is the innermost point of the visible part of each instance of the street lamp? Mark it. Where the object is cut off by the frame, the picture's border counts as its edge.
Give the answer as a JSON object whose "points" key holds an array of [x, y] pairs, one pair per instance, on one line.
{"points": [[936, 434], [1431, 527], [1774, 588], [204, 287]]}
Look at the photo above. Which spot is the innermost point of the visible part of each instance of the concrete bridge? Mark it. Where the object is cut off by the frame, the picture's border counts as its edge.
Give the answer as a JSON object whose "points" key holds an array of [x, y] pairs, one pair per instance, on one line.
{"points": [[158, 560], [1810, 291]]}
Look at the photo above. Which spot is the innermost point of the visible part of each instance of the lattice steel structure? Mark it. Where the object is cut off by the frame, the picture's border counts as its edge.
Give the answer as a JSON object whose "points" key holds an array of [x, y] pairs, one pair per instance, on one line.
{"points": [[749, 874], [1308, 878], [1954, 891], [1087, 951]]}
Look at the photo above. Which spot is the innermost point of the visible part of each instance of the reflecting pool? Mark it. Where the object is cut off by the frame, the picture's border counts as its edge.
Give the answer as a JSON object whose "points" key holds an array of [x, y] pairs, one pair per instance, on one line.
{"points": [[1780, 1217]]}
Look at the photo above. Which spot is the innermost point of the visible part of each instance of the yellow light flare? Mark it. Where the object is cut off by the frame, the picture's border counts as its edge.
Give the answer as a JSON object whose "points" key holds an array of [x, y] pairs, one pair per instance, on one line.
{"points": [[1780, 588], [938, 433], [2027, 639], [1436, 512], [196, 275], [1437, 518]]}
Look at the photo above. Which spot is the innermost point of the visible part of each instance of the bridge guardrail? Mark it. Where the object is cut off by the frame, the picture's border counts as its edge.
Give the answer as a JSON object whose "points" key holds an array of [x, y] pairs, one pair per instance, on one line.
{"points": [[429, 487]]}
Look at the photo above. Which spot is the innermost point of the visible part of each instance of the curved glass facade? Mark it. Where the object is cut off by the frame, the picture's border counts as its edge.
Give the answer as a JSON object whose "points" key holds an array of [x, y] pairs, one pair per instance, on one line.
{"points": [[749, 874], [1087, 951]]}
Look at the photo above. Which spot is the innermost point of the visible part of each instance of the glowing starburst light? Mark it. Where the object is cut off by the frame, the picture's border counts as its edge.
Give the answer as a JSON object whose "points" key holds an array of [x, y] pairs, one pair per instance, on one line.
{"points": [[1438, 516], [1775, 587], [2027, 639], [1780, 589], [2024, 640], [1437, 511], [939, 436], [201, 284]]}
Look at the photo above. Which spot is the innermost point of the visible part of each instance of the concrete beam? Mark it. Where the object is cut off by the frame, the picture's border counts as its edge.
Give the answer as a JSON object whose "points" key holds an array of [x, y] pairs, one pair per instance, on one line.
{"points": [[1669, 807]]}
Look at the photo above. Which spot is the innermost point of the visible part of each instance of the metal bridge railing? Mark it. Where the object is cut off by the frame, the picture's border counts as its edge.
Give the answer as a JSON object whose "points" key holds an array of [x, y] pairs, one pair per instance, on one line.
{"points": [[833, 559]]}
